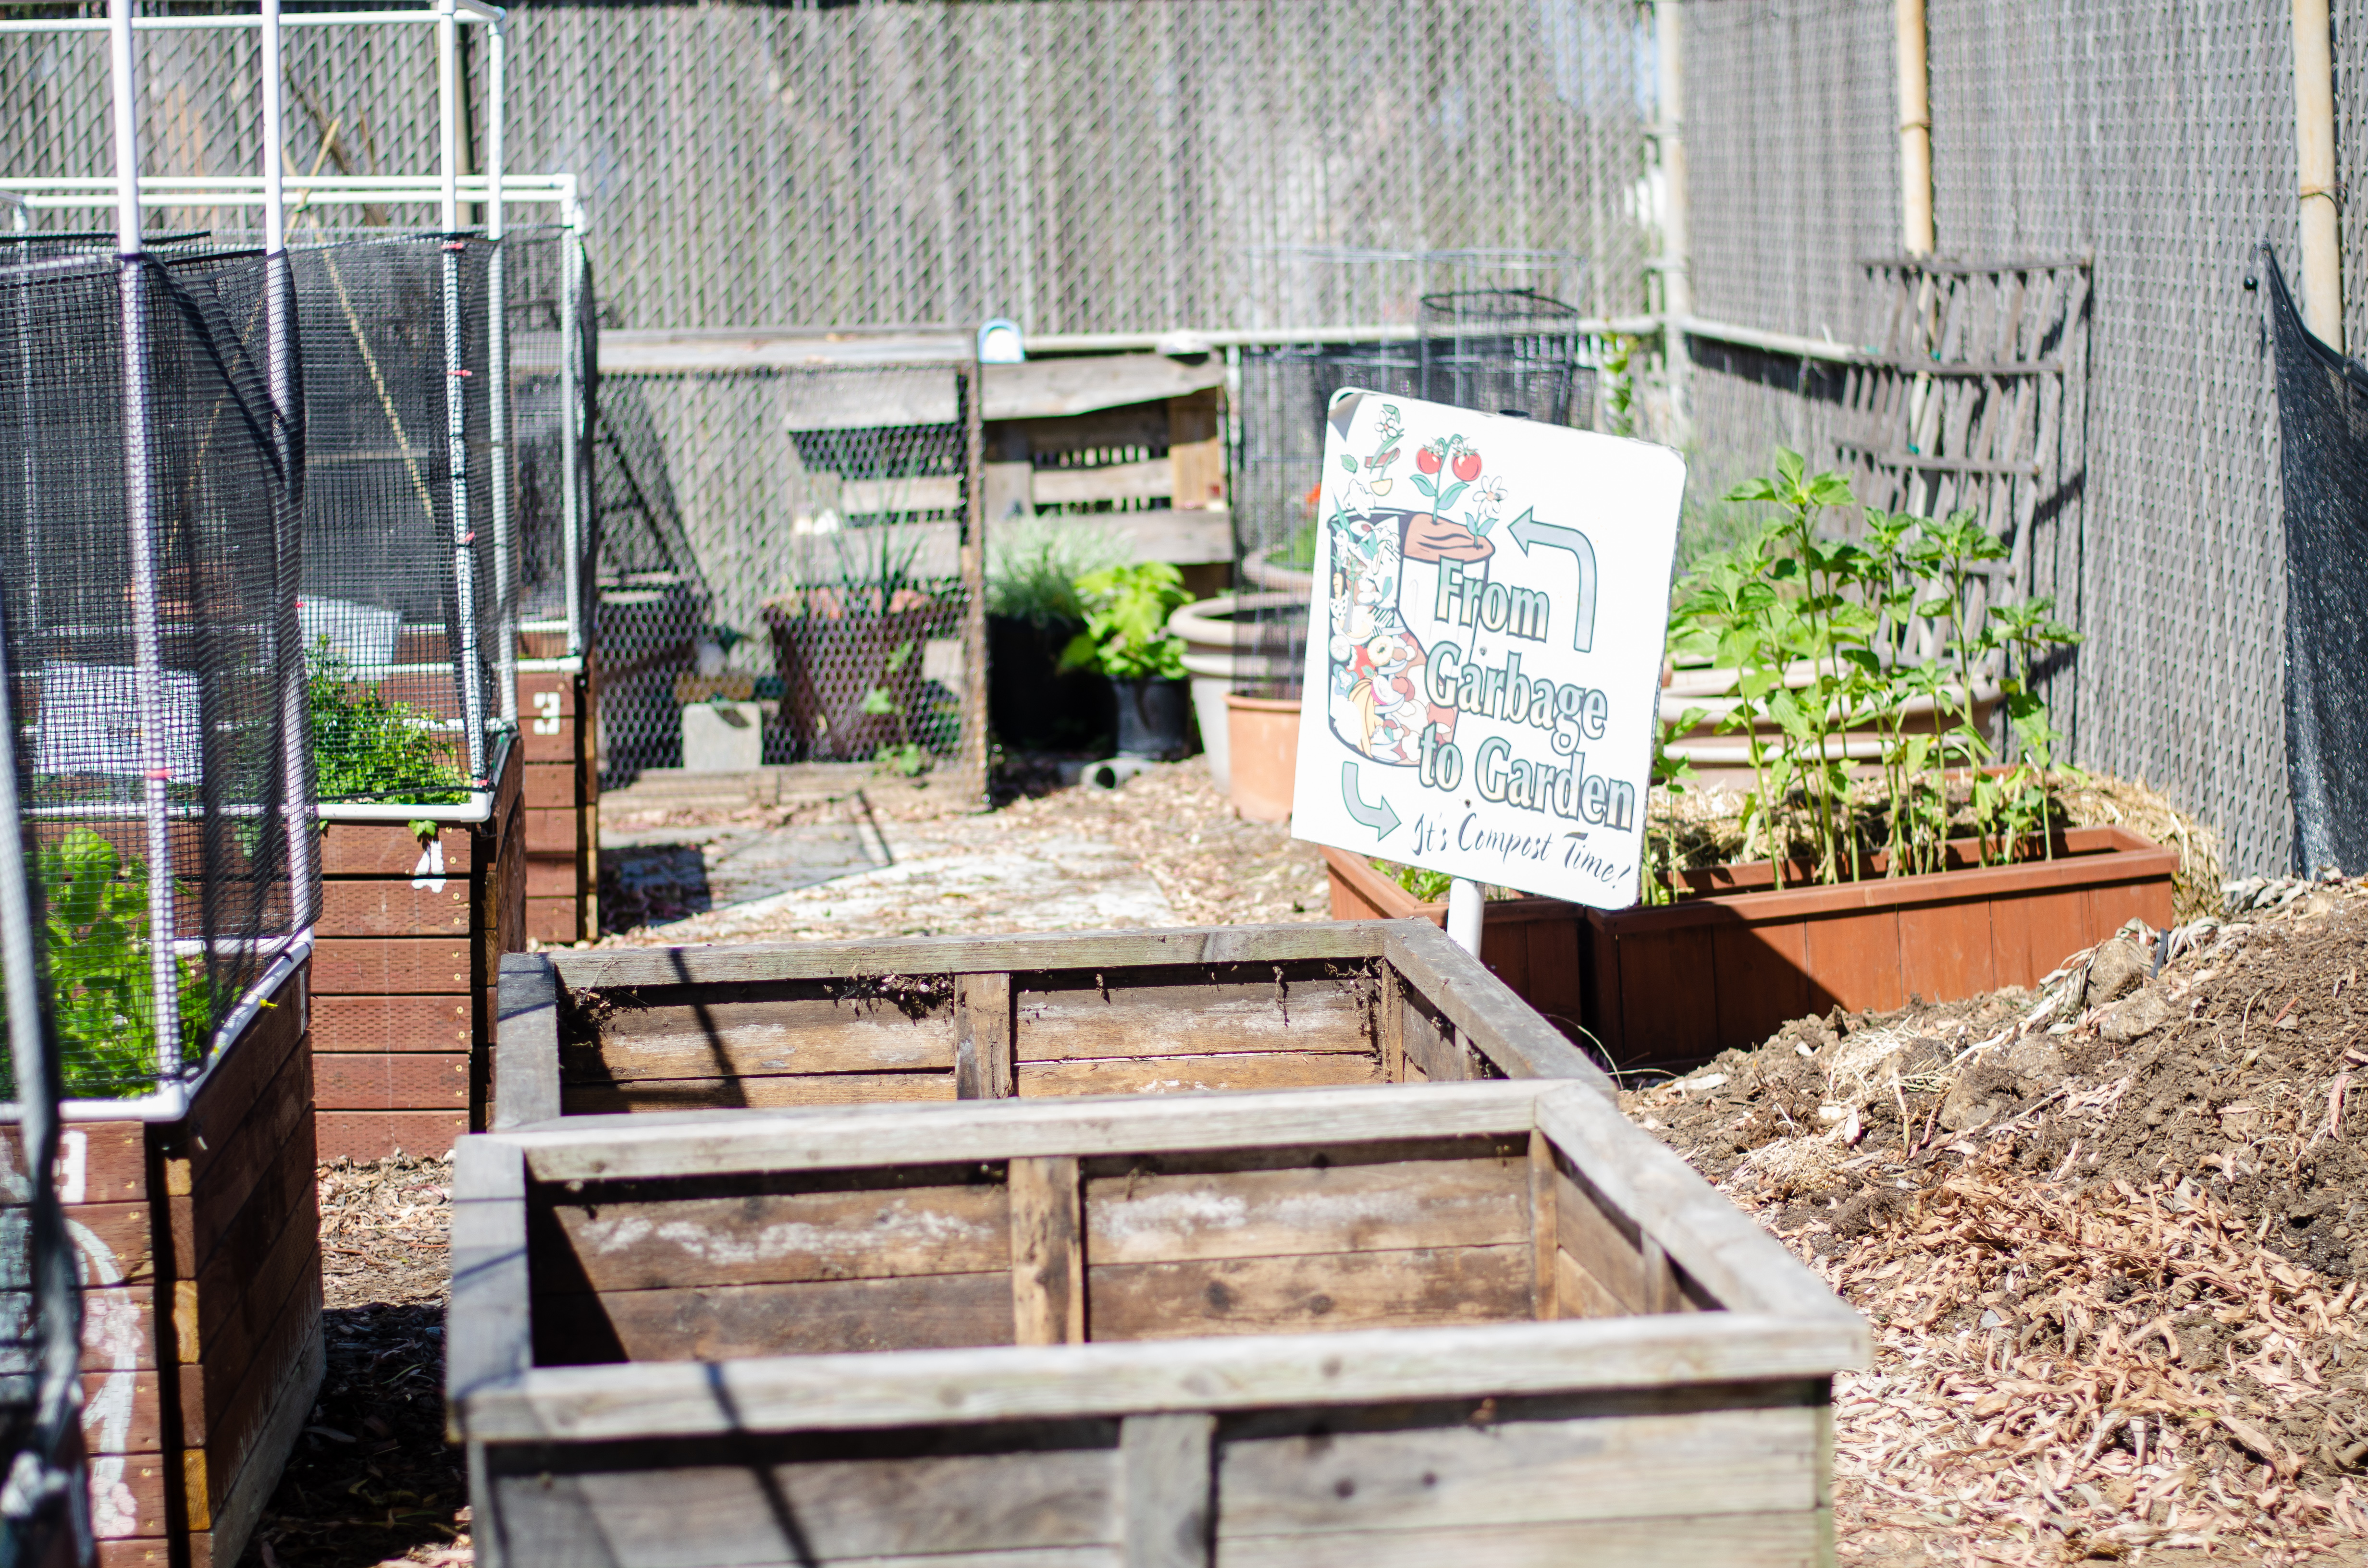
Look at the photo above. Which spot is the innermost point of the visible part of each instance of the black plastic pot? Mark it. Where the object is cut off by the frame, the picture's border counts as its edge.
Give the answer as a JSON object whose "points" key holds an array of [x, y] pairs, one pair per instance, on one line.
{"points": [[1034, 705], [1154, 717]]}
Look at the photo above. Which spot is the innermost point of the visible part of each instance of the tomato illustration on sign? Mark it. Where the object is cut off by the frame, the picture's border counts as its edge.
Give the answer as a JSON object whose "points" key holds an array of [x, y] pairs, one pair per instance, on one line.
{"points": [[1467, 466], [1426, 460]]}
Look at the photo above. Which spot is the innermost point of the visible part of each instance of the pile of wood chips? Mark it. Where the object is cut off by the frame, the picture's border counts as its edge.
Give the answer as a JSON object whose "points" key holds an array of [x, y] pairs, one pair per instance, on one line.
{"points": [[2109, 1235], [372, 1480]]}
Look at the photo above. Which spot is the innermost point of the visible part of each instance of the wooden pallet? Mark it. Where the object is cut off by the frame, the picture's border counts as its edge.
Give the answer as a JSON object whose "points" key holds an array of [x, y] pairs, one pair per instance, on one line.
{"points": [[556, 730], [406, 963], [1488, 1322], [939, 1019], [198, 1239]]}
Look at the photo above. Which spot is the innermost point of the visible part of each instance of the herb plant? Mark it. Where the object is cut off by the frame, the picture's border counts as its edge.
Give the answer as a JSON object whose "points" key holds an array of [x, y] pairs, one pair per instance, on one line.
{"points": [[1126, 634], [102, 995], [1831, 637], [1036, 564], [907, 758], [367, 746]]}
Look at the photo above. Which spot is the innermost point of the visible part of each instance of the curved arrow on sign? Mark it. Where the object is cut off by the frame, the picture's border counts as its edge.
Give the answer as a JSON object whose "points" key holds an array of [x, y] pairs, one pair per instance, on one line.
{"points": [[1528, 531], [1380, 817]]}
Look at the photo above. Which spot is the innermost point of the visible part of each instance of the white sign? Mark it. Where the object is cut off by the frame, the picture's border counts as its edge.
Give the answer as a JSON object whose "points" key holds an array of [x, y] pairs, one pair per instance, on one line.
{"points": [[1484, 654]]}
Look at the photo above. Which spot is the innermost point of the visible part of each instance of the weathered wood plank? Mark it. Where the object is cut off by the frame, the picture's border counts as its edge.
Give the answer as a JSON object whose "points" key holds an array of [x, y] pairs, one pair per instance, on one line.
{"points": [[1081, 1020], [526, 1043], [778, 1238], [1328, 1291], [490, 1340], [1391, 1016], [1522, 1473], [931, 1387], [1581, 1294], [660, 1095], [1170, 1485], [1502, 1026], [1736, 1264], [984, 1031], [1731, 1541], [1429, 1041], [927, 1311], [1175, 1074], [1392, 1206], [1042, 951], [726, 1038], [696, 1143], [1003, 1509], [1544, 1229], [1601, 1242], [1048, 1260]]}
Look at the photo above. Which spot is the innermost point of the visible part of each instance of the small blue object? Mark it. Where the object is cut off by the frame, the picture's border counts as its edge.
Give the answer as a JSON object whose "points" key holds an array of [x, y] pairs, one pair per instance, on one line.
{"points": [[999, 343]]}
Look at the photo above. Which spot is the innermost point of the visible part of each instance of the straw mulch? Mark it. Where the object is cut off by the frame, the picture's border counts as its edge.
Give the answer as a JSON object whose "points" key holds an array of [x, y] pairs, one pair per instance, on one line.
{"points": [[2111, 1237]]}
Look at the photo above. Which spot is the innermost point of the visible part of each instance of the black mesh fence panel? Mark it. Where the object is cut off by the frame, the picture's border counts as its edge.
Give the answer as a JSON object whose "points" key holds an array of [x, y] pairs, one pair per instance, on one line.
{"points": [[2323, 458], [405, 597], [146, 556], [791, 538]]}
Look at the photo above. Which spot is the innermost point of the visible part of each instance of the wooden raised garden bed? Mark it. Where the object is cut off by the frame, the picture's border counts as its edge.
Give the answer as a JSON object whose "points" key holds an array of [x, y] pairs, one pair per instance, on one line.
{"points": [[556, 730], [1349, 1328], [409, 948], [1106, 1012], [1674, 984], [193, 1219]]}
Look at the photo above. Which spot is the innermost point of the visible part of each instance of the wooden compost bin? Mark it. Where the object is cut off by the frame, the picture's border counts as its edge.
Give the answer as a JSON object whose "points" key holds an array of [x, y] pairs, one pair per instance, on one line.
{"points": [[1332, 1328], [561, 786], [411, 935], [1102, 1012], [1675, 984], [194, 1220]]}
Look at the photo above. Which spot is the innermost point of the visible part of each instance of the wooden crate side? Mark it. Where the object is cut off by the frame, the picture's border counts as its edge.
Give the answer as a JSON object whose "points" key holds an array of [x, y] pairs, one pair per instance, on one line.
{"points": [[775, 1036], [391, 1022], [387, 907], [1212, 1012], [398, 1080], [554, 920], [366, 1135], [392, 850], [226, 1411], [390, 966], [239, 1500], [755, 1093], [1170, 1074]]}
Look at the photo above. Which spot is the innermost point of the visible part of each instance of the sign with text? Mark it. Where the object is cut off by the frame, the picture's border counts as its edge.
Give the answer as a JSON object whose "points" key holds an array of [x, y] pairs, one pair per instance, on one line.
{"points": [[1483, 652]]}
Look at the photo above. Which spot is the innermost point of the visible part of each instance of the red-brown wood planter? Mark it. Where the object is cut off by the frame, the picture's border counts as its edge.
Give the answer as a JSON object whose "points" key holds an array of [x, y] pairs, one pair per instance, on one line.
{"points": [[408, 952], [1674, 984], [198, 1241], [556, 731]]}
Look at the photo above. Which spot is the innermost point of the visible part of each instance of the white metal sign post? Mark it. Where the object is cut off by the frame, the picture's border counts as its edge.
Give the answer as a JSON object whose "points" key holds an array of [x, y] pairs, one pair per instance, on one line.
{"points": [[1484, 651]]}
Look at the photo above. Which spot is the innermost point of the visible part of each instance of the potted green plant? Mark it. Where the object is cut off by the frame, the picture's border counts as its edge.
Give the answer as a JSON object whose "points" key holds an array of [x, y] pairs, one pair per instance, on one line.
{"points": [[847, 642], [1902, 831], [1033, 613], [1127, 638]]}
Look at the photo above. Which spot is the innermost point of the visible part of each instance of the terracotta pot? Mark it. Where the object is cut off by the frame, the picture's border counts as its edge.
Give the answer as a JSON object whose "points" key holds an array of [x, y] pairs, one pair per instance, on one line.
{"points": [[1672, 985], [829, 663], [1263, 735]]}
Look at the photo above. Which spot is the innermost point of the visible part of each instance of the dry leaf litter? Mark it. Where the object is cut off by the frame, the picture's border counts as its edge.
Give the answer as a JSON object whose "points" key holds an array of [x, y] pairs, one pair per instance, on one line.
{"points": [[2111, 1236], [372, 1480]]}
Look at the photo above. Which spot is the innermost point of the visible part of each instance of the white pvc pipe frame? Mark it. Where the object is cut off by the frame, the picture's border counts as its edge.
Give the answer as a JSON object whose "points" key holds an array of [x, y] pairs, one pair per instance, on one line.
{"points": [[120, 25]]}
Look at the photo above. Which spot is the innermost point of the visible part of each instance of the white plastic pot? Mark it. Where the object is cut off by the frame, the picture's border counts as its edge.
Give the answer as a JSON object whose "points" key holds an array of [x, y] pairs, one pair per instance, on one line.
{"points": [[1207, 628]]}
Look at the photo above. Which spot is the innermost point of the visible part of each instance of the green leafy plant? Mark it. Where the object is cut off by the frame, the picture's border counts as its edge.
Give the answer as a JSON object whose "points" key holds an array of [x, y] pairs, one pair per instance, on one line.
{"points": [[862, 570], [1126, 634], [1034, 566], [102, 990], [905, 758], [367, 746], [1891, 632], [1429, 887]]}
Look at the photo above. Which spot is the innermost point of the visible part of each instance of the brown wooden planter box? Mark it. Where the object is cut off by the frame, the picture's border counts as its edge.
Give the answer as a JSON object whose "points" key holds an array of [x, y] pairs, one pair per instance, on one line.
{"points": [[404, 968], [1334, 1329], [200, 1243], [557, 729], [1084, 1013], [1675, 984]]}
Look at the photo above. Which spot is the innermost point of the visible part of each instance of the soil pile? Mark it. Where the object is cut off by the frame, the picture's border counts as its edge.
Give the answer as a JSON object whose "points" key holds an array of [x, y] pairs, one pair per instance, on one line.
{"points": [[2107, 1232]]}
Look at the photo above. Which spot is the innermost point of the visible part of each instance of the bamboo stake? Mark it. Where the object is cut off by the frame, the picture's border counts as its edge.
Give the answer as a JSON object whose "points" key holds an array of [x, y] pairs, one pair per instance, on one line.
{"points": [[2322, 260], [1916, 230]]}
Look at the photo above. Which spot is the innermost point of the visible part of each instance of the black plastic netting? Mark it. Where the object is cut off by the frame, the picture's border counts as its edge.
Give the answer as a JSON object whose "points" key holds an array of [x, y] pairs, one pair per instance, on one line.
{"points": [[405, 606], [2323, 465], [1278, 466], [1496, 349], [148, 557]]}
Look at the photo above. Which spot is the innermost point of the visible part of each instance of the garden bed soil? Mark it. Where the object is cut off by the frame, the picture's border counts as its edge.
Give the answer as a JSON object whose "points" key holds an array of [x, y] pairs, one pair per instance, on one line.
{"points": [[409, 944], [2112, 1234], [199, 1252]]}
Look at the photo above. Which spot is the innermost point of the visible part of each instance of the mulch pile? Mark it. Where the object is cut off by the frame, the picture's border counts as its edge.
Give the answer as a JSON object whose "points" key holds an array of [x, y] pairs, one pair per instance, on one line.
{"points": [[372, 1480], [2111, 1236]]}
